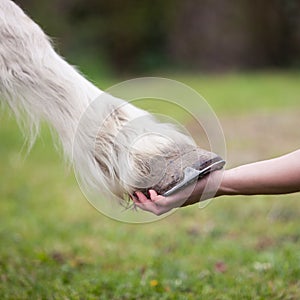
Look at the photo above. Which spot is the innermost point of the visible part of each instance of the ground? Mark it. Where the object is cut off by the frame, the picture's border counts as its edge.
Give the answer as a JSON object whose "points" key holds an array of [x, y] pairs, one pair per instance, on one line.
{"points": [[54, 245]]}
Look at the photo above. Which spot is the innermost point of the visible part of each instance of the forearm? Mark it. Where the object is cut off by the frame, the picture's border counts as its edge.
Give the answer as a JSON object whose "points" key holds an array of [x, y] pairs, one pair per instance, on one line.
{"points": [[275, 176]]}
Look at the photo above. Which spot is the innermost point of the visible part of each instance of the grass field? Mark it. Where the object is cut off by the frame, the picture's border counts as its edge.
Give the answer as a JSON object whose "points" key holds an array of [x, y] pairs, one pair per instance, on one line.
{"points": [[54, 245]]}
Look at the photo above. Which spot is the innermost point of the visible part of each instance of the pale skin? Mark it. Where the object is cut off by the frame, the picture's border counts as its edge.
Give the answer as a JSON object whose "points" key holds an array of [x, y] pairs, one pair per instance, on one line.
{"points": [[279, 175]]}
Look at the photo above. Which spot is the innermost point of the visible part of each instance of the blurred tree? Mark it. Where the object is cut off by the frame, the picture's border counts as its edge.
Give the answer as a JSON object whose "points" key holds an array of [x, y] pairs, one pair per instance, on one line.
{"points": [[130, 32], [137, 35], [229, 34]]}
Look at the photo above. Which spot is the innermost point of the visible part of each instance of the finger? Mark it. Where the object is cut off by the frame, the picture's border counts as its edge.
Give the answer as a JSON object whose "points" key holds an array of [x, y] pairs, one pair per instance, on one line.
{"points": [[153, 194], [158, 199], [150, 207], [134, 199], [171, 201], [142, 198], [166, 202]]}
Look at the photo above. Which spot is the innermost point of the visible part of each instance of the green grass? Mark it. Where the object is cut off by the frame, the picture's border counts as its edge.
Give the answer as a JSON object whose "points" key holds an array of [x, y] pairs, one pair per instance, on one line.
{"points": [[54, 245], [231, 93], [236, 93]]}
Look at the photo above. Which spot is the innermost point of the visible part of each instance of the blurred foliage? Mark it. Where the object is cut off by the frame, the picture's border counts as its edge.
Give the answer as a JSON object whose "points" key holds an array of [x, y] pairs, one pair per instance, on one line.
{"points": [[131, 35]]}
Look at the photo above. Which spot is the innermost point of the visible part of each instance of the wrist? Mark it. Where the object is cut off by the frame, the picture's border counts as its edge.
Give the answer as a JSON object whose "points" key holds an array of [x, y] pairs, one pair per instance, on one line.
{"points": [[227, 186]]}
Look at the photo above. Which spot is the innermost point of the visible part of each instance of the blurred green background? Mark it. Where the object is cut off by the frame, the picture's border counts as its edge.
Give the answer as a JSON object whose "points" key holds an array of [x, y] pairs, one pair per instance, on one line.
{"points": [[243, 57]]}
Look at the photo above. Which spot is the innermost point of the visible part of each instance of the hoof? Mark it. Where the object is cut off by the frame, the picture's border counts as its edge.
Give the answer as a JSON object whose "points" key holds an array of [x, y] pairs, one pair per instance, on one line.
{"points": [[187, 166]]}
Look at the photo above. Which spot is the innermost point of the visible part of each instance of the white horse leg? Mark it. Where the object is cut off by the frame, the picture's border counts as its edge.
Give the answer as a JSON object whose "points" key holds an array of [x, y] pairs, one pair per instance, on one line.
{"points": [[38, 84]]}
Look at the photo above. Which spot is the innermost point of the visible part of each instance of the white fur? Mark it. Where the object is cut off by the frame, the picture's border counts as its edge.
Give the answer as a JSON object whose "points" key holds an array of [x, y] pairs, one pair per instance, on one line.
{"points": [[111, 150]]}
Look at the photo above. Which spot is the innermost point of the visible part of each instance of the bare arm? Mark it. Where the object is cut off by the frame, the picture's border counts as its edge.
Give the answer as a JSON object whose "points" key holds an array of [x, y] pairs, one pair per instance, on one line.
{"points": [[275, 176]]}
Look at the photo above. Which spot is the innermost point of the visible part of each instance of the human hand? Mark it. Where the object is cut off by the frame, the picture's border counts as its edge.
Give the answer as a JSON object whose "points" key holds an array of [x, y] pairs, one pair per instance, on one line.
{"points": [[204, 189]]}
